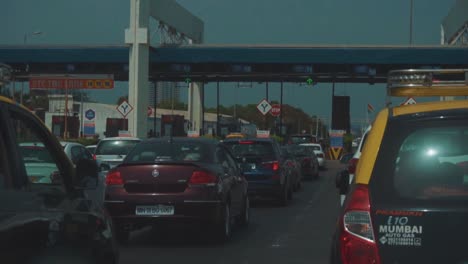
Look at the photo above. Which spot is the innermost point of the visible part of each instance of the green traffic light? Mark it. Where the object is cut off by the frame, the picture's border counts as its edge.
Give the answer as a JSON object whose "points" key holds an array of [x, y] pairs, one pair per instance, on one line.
{"points": [[310, 81]]}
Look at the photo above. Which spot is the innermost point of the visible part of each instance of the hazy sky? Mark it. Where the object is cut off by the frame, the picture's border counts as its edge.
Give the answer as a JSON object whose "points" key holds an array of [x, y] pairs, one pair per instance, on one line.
{"points": [[242, 21]]}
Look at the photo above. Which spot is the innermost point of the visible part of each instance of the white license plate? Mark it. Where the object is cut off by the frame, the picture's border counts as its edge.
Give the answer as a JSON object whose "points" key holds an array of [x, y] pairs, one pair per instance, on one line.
{"points": [[154, 210]]}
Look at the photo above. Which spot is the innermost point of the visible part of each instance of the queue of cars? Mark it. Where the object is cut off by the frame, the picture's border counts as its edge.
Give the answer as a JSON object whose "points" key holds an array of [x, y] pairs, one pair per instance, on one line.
{"points": [[407, 200]]}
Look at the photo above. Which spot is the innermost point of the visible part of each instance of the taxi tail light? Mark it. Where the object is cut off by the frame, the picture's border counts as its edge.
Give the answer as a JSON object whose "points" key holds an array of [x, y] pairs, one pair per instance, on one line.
{"points": [[357, 240], [273, 165], [114, 178], [94, 156], [352, 164], [202, 177]]}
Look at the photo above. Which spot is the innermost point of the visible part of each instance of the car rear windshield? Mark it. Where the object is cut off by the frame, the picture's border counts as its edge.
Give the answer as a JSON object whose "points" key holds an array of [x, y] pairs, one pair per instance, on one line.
{"points": [[299, 151], [165, 151], [115, 147], [251, 148], [315, 147], [301, 139], [36, 154], [423, 160]]}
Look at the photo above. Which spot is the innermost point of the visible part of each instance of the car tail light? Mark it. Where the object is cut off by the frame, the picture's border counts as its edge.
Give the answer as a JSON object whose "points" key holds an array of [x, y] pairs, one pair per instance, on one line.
{"points": [[203, 177], [94, 156], [273, 165], [352, 164], [114, 178], [357, 240], [246, 142]]}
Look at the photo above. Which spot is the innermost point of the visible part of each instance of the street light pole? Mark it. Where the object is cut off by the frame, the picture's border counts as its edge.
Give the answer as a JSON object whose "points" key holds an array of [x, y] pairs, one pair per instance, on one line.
{"points": [[25, 39], [411, 21]]}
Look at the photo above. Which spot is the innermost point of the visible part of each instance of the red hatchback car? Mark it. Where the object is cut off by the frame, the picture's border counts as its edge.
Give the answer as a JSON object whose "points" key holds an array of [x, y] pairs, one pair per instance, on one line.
{"points": [[177, 179]]}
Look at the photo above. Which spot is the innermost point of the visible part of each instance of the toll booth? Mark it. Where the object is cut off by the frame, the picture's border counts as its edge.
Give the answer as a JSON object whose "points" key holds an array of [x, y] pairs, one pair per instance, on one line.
{"points": [[113, 125], [73, 126], [174, 124]]}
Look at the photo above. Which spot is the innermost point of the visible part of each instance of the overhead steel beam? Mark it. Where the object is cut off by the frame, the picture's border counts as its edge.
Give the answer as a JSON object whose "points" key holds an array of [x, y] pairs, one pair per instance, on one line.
{"points": [[171, 13]]}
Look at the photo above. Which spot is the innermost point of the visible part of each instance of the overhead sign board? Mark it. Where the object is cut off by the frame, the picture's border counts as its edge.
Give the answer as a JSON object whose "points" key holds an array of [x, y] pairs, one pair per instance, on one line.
{"points": [[264, 107], [71, 82], [124, 108], [263, 133], [90, 114], [193, 133]]}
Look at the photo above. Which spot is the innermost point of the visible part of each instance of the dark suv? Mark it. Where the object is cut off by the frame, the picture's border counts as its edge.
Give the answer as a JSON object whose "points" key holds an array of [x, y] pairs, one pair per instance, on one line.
{"points": [[264, 167], [45, 215]]}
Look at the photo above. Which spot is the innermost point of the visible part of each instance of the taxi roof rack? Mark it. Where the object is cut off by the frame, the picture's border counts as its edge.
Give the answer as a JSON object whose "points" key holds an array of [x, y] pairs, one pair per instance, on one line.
{"points": [[428, 82]]}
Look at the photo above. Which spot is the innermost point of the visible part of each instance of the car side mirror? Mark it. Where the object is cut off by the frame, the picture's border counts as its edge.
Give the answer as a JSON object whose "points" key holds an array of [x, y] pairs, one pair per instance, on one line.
{"points": [[342, 182], [86, 174]]}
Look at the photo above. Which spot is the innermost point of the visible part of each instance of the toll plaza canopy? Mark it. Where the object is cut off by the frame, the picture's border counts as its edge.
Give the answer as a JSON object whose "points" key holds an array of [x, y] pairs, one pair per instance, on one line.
{"points": [[207, 63]]}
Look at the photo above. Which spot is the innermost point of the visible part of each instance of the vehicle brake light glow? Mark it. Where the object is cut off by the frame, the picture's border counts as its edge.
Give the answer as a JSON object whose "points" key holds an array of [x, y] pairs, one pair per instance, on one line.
{"points": [[246, 142], [357, 240], [203, 177], [273, 165], [114, 178], [94, 156]]}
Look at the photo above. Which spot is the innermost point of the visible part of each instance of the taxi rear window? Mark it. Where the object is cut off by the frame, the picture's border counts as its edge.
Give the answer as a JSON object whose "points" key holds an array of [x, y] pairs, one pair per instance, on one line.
{"points": [[423, 160]]}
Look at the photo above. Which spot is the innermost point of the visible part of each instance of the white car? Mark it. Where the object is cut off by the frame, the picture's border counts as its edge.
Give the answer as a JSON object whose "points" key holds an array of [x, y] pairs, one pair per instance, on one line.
{"points": [[352, 164], [76, 151], [317, 148], [111, 151]]}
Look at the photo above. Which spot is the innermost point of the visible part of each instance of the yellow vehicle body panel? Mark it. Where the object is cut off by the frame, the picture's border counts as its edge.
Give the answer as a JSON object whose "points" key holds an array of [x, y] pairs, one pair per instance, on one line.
{"points": [[371, 148], [429, 106]]}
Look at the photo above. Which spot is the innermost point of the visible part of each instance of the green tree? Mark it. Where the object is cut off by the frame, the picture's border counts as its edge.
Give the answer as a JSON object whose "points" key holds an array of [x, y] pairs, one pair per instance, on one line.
{"points": [[121, 99]]}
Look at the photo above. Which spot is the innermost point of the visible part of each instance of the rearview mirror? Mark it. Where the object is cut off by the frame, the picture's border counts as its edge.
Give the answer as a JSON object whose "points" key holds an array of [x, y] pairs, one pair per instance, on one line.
{"points": [[86, 174], [342, 181]]}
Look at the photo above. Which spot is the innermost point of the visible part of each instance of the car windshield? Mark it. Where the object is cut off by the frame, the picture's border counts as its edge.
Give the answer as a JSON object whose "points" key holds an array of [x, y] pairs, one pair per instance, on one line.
{"points": [[115, 147], [164, 151]]}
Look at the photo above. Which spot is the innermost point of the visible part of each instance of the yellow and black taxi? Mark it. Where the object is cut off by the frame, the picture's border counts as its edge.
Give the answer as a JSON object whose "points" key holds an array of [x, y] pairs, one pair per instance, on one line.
{"points": [[45, 213], [409, 200]]}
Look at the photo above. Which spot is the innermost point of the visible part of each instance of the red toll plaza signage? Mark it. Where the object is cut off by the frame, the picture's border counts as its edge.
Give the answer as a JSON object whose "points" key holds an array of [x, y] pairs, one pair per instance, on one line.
{"points": [[72, 82]]}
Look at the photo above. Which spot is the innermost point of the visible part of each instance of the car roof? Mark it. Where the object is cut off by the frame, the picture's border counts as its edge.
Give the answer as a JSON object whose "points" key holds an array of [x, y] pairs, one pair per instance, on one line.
{"points": [[248, 139], [119, 138], [181, 139], [64, 143], [310, 144]]}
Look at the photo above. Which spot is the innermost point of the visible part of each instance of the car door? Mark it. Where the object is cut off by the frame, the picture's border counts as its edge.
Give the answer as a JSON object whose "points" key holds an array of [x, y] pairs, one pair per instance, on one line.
{"points": [[239, 187], [228, 177], [46, 221]]}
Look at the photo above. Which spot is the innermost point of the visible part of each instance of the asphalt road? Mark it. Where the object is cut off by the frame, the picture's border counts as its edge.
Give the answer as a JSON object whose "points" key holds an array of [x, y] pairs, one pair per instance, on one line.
{"points": [[299, 233]]}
